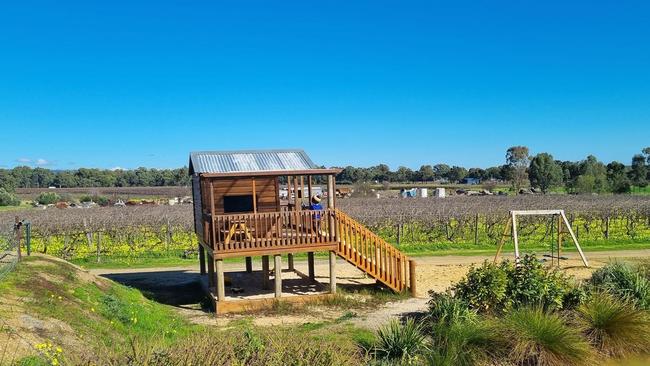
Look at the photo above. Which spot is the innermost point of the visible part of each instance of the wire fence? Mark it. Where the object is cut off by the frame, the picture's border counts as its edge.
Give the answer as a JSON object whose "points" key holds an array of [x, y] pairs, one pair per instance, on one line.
{"points": [[15, 349], [8, 248]]}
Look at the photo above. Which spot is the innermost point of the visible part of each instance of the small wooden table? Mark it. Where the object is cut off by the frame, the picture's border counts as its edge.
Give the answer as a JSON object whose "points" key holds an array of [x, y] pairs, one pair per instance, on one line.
{"points": [[236, 225]]}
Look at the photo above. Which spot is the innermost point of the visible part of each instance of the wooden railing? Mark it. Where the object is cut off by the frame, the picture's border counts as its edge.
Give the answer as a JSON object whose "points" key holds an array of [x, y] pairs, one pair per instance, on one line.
{"points": [[301, 230], [306, 230], [373, 255]]}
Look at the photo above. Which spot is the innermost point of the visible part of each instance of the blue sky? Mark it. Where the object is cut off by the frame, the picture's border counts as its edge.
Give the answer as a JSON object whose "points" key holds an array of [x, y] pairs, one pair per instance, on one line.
{"points": [[128, 84]]}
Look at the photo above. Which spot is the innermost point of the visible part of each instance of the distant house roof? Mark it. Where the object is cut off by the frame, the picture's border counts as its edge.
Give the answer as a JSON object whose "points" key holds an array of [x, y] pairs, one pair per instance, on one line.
{"points": [[253, 162]]}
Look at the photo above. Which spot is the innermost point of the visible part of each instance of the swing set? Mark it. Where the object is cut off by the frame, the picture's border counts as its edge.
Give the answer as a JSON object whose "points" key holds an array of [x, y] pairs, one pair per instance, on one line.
{"points": [[562, 222]]}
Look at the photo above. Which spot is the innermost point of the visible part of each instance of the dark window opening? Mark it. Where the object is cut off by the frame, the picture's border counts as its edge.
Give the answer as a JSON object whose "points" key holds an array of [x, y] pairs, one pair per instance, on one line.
{"points": [[234, 204]]}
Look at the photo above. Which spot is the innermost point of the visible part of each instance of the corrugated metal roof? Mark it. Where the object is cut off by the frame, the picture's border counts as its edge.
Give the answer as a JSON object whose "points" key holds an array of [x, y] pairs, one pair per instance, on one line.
{"points": [[249, 161]]}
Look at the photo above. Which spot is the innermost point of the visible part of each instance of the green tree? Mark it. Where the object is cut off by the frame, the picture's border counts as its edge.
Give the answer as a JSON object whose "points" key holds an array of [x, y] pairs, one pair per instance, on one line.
{"points": [[544, 172], [441, 171], [8, 198], [456, 173], [404, 174], [617, 177], [7, 180], [639, 172], [426, 173], [517, 158], [592, 178]]}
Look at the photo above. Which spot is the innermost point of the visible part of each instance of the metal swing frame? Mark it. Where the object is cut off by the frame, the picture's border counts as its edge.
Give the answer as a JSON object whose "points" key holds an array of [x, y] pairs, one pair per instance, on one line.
{"points": [[511, 226]]}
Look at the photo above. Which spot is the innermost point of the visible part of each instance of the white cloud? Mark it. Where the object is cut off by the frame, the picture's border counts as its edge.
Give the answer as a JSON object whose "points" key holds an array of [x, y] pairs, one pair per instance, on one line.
{"points": [[24, 160], [117, 168], [42, 162]]}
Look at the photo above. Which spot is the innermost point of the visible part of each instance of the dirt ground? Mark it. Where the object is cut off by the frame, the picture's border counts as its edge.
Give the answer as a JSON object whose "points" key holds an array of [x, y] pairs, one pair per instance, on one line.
{"points": [[435, 273]]}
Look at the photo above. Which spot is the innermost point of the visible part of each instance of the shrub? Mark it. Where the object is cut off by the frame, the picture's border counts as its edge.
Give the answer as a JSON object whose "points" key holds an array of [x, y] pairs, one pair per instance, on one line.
{"points": [[403, 342], [444, 308], [8, 199], [47, 198], [626, 281], [100, 200], [484, 288], [615, 327], [530, 283], [538, 337], [494, 288]]}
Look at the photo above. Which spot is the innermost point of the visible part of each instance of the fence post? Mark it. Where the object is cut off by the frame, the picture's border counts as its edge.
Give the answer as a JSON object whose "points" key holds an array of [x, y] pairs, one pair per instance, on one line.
{"points": [[28, 237], [476, 230], [99, 246], [18, 234]]}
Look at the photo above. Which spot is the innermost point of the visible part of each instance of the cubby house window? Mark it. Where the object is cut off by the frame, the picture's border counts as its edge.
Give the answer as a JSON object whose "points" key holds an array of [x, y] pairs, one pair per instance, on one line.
{"points": [[238, 204]]}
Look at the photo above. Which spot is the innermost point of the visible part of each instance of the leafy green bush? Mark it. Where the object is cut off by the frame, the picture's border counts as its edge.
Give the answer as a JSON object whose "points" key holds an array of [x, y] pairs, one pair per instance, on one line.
{"points": [[538, 337], [402, 342], [495, 288], [48, 198], [484, 288], [626, 281], [615, 327], [100, 200], [8, 199]]}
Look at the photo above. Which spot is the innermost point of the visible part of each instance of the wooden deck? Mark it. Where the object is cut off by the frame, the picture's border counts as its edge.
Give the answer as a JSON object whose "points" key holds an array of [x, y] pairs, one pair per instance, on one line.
{"points": [[257, 234]]}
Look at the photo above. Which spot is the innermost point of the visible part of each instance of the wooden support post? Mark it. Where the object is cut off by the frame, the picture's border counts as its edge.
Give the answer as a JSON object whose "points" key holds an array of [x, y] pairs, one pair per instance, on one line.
{"points": [[309, 188], [515, 238], [221, 283], [265, 272], [559, 239], [201, 259], [310, 265], [575, 240], [330, 192], [249, 265], [210, 272], [290, 262], [278, 275], [332, 272], [412, 278], [502, 240]]}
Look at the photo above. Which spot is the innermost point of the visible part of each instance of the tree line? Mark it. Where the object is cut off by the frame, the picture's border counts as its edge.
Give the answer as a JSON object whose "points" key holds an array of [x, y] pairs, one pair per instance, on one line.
{"points": [[27, 177], [520, 169]]}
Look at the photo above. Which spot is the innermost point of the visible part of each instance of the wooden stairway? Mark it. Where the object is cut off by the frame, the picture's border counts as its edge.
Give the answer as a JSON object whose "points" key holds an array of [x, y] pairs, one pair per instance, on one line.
{"points": [[373, 255]]}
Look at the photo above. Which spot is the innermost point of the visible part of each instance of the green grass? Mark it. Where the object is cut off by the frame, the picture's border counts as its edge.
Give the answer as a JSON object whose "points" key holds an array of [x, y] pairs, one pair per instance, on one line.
{"points": [[134, 262], [23, 205], [108, 322], [641, 190], [414, 250]]}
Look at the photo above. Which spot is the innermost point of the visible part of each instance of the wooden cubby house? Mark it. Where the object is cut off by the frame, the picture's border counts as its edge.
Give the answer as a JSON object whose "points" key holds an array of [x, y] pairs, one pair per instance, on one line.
{"points": [[251, 204]]}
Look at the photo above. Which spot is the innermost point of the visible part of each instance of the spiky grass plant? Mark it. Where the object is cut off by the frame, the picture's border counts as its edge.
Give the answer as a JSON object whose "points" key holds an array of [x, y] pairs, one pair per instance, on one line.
{"points": [[444, 308], [539, 337], [463, 342], [400, 342], [615, 327]]}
